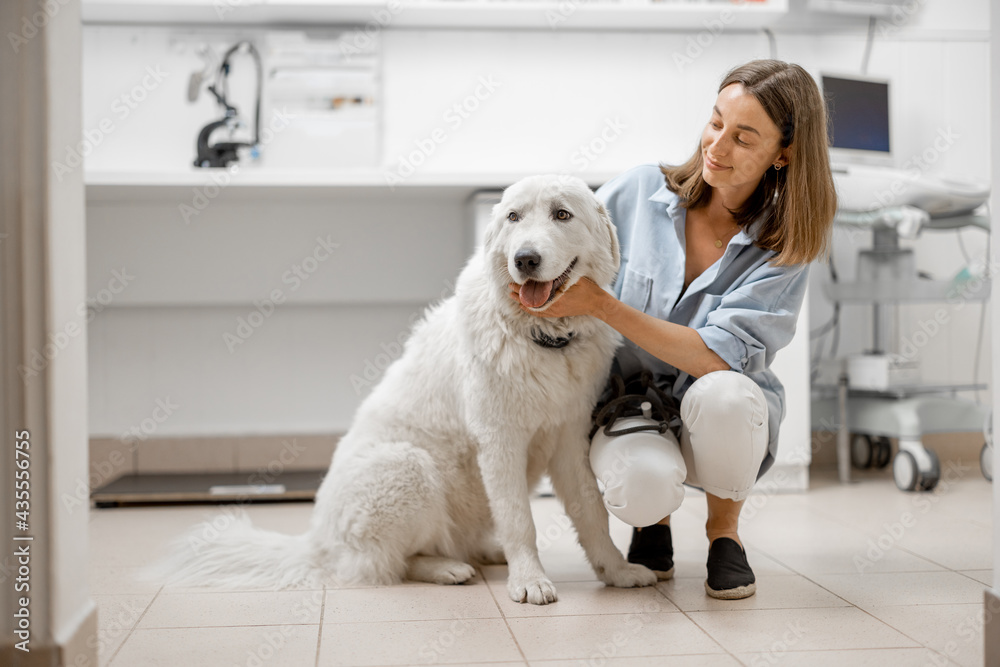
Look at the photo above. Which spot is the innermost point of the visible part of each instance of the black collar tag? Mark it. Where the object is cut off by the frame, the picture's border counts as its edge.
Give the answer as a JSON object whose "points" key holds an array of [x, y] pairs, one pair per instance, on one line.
{"points": [[542, 339]]}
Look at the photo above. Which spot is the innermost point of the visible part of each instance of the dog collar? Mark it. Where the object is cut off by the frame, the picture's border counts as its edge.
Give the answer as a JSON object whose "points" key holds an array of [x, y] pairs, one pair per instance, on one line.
{"points": [[542, 339]]}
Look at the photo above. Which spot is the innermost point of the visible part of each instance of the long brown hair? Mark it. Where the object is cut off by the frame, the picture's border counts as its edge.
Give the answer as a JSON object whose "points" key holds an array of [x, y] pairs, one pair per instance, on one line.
{"points": [[798, 202]]}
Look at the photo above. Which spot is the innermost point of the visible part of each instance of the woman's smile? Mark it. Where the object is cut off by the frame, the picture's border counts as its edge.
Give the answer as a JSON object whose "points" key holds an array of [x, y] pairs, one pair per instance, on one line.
{"points": [[713, 165]]}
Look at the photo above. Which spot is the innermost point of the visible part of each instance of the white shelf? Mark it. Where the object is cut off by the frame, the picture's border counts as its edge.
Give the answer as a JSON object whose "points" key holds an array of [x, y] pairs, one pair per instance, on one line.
{"points": [[132, 185], [486, 14], [307, 178], [904, 291]]}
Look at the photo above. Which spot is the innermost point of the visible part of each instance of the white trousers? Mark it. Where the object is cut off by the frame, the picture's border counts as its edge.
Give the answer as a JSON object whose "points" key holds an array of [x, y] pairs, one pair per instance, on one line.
{"points": [[723, 442]]}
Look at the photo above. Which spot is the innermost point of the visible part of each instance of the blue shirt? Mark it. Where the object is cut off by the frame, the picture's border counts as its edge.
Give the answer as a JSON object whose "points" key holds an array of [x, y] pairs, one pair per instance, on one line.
{"points": [[743, 307]]}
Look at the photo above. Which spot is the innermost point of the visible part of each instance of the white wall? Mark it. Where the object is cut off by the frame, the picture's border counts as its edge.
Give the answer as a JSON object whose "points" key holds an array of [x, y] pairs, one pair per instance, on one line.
{"points": [[790, 471], [552, 92], [558, 91]]}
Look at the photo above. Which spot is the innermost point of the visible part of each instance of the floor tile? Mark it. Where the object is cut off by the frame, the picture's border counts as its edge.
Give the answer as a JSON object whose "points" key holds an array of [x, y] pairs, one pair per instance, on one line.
{"points": [[770, 531], [902, 588], [585, 598], [985, 577], [964, 546], [559, 566], [211, 647], [956, 542], [773, 592], [855, 557], [798, 629], [118, 580], [875, 502], [458, 641], [117, 615], [596, 638], [203, 590], [407, 602], [568, 570], [204, 610], [858, 574], [954, 630], [706, 660], [883, 657], [152, 530]]}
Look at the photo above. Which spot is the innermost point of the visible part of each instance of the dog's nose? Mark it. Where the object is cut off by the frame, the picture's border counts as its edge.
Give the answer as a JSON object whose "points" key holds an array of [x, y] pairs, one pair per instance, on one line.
{"points": [[527, 260]]}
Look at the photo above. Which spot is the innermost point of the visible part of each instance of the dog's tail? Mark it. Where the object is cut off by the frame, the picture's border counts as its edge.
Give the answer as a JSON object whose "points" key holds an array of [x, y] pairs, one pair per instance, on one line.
{"points": [[229, 552]]}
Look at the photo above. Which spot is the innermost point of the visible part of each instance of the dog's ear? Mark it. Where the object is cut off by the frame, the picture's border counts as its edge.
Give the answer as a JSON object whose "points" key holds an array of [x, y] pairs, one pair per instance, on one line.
{"points": [[493, 226], [605, 218]]}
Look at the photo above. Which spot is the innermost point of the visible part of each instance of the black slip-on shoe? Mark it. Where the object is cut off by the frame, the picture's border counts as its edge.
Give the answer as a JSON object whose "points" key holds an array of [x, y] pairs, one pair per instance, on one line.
{"points": [[729, 573], [652, 546]]}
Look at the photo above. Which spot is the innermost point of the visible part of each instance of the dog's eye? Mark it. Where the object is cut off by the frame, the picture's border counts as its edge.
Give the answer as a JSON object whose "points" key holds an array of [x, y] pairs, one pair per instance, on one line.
{"points": [[563, 214], [512, 216]]}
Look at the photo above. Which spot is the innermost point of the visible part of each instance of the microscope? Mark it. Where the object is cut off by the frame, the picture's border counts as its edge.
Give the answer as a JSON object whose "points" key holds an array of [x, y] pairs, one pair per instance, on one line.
{"points": [[223, 153]]}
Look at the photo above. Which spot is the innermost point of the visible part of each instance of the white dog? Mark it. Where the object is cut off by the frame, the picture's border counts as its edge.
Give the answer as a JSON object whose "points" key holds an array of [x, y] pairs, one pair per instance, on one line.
{"points": [[435, 471]]}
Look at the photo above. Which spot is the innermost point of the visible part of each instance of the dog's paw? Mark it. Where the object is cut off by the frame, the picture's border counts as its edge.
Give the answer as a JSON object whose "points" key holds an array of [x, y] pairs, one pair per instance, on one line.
{"points": [[536, 591], [454, 573], [438, 570], [629, 575]]}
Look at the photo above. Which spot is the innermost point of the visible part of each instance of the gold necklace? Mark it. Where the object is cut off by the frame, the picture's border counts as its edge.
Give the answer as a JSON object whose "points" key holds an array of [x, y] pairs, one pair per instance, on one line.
{"points": [[718, 241], [718, 237]]}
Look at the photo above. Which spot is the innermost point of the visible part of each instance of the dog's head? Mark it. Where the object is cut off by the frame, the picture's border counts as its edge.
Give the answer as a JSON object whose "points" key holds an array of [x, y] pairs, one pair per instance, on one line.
{"points": [[546, 233]]}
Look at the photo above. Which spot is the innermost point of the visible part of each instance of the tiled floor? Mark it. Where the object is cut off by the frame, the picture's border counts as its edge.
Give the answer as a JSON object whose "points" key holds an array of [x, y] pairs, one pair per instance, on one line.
{"points": [[847, 575]]}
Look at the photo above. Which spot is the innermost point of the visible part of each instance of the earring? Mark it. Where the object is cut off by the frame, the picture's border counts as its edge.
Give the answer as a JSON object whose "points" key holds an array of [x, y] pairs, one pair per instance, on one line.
{"points": [[777, 166]]}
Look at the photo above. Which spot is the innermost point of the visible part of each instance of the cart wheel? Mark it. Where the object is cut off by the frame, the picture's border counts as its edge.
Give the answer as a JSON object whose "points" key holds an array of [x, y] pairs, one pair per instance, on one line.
{"points": [[883, 452], [929, 478], [904, 471], [986, 461], [861, 451]]}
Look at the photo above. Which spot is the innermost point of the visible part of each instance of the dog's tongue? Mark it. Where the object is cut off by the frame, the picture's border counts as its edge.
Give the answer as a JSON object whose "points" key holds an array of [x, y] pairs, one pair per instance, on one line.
{"points": [[535, 294]]}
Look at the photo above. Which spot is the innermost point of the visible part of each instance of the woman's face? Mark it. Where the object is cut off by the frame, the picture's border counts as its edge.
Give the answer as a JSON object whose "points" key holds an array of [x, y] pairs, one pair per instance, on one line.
{"points": [[738, 145]]}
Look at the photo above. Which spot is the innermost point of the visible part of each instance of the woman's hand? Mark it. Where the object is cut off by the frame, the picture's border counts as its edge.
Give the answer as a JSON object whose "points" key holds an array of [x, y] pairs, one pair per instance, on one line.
{"points": [[583, 298]]}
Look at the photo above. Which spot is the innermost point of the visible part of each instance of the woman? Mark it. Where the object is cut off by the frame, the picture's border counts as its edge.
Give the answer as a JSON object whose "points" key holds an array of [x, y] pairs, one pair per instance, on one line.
{"points": [[715, 255]]}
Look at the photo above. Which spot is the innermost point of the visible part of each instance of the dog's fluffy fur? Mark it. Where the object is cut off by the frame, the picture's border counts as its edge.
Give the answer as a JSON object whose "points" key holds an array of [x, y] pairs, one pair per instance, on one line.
{"points": [[435, 471]]}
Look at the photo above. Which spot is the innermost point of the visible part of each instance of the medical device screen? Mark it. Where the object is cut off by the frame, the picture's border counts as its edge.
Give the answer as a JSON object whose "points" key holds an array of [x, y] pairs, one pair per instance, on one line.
{"points": [[859, 113]]}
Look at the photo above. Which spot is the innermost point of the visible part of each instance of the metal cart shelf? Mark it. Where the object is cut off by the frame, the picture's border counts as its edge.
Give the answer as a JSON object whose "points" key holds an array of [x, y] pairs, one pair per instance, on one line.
{"points": [[886, 276], [905, 413]]}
